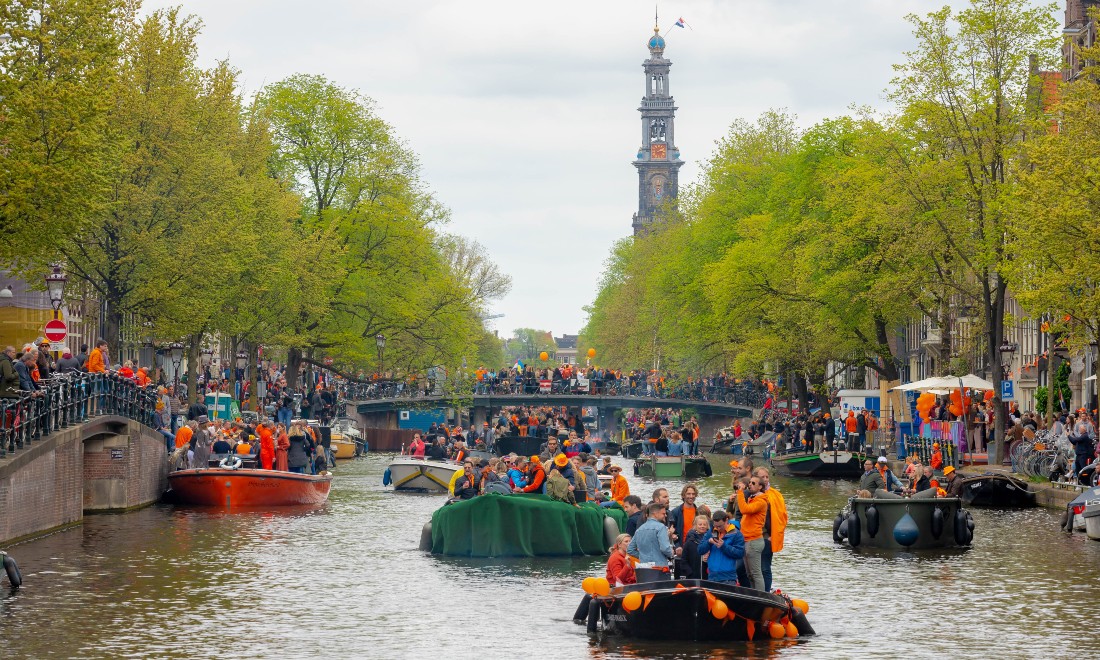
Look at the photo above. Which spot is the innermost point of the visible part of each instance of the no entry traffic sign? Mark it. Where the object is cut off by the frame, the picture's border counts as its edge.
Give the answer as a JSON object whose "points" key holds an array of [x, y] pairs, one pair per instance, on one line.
{"points": [[56, 330]]}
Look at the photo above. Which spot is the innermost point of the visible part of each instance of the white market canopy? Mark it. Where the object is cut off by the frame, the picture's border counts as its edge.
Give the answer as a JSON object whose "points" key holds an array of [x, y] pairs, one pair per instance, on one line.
{"points": [[969, 381]]}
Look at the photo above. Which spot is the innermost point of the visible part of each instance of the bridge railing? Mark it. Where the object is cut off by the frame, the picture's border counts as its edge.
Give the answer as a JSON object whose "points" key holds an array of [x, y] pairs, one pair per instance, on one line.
{"points": [[68, 399], [386, 390]]}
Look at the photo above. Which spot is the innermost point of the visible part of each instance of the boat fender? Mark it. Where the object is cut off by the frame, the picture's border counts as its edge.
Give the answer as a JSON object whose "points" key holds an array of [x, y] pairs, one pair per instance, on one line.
{"points": [[969, 527], [872, 520], [610, 531], [233, 462], [798, 618], [581, 615], [853, 529], [1064, 523], [937, 522], [387, 478], [707, 469], [426, 537], [906, 532], [843, 531], [961, 532], [595, 610], [10, 567], [837, 523]]}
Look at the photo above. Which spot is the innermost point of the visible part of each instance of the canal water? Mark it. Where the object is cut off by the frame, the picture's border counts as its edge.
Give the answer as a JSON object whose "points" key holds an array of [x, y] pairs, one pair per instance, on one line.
{"points": [[346, 581]]}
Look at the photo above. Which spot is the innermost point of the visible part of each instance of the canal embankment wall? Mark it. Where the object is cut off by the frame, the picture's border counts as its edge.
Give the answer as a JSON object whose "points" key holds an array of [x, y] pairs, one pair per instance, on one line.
{"points": [[107, 464]]}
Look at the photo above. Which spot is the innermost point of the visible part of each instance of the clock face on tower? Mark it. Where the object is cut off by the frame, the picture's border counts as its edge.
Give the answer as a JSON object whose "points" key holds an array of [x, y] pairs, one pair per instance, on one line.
{"points": [[658, 151]]}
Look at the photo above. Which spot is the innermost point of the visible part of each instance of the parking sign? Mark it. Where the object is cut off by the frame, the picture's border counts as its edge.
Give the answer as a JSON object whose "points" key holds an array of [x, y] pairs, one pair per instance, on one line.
{"points": [[1008, 390]]}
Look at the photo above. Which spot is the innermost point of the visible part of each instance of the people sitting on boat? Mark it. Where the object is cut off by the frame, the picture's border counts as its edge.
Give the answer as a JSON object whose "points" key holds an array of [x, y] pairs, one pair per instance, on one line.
{"points": [[587, 466], [619, 486], [562, 464], [924, 481], [417, 446], [632, 505], [620, 571], [954, 482], [692, 564], [516, 475], [871, 480], [438, 450], [676, 445], [320, 461], [893, 484], [722, 548], [558, 487], [466, 486], [459, 452], [222, 447], [605, 465], [549, 449], [682, 518], [536, 476], [244, 447], [652, 545], [580, 490]]}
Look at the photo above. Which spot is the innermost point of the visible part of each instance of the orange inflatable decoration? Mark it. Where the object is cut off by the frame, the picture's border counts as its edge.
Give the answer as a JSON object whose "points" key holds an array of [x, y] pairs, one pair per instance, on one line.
{"points": [[632, 601], [777, 631], [591, 352], [720, 610], [544, 356]]}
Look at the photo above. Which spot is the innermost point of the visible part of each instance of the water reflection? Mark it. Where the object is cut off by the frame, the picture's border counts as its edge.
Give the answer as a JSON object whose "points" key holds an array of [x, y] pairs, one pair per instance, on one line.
{"points": [[346, 580]]}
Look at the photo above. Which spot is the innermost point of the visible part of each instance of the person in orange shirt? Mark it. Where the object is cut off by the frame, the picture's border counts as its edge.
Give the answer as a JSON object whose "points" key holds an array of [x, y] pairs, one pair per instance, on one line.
{"points": [[754, 509], [775, 524], [97, 359], [267, 445], [619, 487], [851, 431], [183, 436]]}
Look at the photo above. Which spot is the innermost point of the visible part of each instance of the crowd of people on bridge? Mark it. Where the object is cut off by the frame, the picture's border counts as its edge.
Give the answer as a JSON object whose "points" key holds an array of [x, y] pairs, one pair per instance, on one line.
{"points": [[664, 431]]}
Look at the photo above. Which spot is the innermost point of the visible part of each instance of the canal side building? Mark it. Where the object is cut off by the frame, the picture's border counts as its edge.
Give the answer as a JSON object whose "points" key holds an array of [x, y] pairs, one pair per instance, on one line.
{"points": [[658, 160]]}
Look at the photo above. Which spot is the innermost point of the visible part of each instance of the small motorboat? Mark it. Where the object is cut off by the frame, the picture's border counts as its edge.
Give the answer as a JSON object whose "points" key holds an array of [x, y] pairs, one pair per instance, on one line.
{"points": [[1074, 518], [672, 467], [606, 448], [347, 439], [998, 491], [242, 487], [904, 523], [633, 449], [691, 610], [420, 475], [726, 446], [830, 464]]}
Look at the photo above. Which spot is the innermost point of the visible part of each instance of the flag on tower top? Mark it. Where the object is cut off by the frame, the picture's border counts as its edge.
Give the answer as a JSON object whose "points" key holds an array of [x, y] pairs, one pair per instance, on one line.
{"points": [[681, 23]]}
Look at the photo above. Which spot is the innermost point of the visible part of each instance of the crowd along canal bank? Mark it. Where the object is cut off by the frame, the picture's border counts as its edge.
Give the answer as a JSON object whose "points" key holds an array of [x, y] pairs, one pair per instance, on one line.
{"points": [[346, 580]]}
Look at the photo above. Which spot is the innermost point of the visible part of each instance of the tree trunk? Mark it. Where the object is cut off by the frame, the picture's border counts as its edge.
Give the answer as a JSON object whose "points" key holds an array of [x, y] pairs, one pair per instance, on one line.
{"points": [[112, 334], [235, 343], [889, 369], [799, 384], [253, 376], [293, 363], [994, 302], [193, 347]]}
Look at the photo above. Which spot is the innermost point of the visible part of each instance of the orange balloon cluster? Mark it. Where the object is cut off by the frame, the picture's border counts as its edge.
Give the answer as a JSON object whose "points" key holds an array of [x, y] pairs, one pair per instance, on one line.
{"points": [[958, 403], [925, 402], [596, 586]]}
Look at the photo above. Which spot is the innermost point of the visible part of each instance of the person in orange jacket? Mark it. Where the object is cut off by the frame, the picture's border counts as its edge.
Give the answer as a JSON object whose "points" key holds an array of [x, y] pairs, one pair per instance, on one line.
{"points": [[97, 359], [536, 476], [619, 487], [775, 524], [754, 509]]}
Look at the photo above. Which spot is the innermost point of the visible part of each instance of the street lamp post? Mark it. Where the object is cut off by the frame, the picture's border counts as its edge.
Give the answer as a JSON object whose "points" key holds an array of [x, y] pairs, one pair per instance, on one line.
{"points": [[175, 352], [55, 285], [380, 341], [1007, 350]]}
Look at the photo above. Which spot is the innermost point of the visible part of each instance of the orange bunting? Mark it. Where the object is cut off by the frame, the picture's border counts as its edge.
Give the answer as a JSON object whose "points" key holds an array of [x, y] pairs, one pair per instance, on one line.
{"points": [[648, 598], [750, 628]]}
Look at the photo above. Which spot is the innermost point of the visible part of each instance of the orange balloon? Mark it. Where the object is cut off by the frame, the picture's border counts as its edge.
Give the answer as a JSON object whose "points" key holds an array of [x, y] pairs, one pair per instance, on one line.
{"points": [[776, 630], [589, 585], [602, 587], [591, 352], [632, 601], [791, 630], [988, 395], [720, 610], [544, 356], [801, 604]]}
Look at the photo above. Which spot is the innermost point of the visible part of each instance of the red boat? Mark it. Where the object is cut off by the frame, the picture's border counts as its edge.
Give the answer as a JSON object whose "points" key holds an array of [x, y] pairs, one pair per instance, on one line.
{"points": [[247, 488]]}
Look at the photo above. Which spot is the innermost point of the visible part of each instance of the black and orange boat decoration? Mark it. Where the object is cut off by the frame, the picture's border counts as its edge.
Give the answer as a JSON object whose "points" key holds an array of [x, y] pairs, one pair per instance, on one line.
{"points": [[691, 610], [247, 488]]}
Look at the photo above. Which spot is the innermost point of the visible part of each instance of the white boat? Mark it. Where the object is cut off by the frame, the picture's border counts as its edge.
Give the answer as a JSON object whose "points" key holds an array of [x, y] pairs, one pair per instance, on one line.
{"points": [[418, 474]]}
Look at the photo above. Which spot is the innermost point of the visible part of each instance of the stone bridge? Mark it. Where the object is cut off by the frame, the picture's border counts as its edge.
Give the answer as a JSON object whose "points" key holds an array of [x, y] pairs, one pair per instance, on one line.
{"points": [[383, 413], [78, 449]]}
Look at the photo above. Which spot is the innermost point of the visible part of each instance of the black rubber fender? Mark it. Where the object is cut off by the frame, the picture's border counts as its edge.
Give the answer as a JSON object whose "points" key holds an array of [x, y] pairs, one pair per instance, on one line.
{"points": [[937, 522], [595, 609], [12, 569], [872, 520], [963, 533], [853, 529], [426, 537], [838, 522], [798, 618], [581, 615], [707, 469]]}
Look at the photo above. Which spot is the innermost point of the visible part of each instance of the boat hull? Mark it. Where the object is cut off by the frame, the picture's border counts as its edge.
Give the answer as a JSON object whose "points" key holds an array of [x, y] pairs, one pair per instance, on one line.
{"points": [[672, 467], [826, 465], [889, 534], [343, 449], [683, 610], [247, 488], [422, 475], [997, 491], [606, 448]]}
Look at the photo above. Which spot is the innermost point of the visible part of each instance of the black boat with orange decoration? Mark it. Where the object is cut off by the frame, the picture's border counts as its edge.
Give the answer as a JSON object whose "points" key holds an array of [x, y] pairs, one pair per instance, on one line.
{"points": [[691, 610]]}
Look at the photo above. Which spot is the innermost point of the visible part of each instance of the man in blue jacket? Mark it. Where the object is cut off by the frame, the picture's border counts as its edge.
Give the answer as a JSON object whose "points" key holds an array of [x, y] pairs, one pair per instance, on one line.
{"points": [[724, 549]]}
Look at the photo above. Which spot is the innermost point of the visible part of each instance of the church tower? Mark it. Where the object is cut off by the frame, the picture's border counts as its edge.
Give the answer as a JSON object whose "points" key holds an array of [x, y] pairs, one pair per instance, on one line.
{"points": [[658, 160]]}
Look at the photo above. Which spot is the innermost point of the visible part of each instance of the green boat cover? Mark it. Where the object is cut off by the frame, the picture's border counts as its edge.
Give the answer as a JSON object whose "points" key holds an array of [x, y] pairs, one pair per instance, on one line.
{"points": [[521, 525]]}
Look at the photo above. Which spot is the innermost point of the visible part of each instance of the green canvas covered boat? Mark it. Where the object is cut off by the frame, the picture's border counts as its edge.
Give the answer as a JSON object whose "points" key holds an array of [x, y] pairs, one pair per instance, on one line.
{"points": [[521, 525]]}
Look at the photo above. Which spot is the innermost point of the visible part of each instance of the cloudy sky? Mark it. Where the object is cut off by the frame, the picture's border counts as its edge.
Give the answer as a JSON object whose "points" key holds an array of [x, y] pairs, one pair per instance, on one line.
{"points": [[524, 114]]}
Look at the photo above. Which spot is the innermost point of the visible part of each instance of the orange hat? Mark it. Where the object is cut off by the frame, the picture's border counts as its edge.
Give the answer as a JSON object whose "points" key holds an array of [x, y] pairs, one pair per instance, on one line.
{"points": [[826, 415], [948, 470], [935, 445], [734, 463], [560, 460], [535, 459]]}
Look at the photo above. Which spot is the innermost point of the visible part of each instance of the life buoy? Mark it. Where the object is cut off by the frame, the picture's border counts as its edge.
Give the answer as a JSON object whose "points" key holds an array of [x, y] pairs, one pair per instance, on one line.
{"points": [[837, 523], [872, 520], [937, 522], [853, 529], [233, 462]]}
